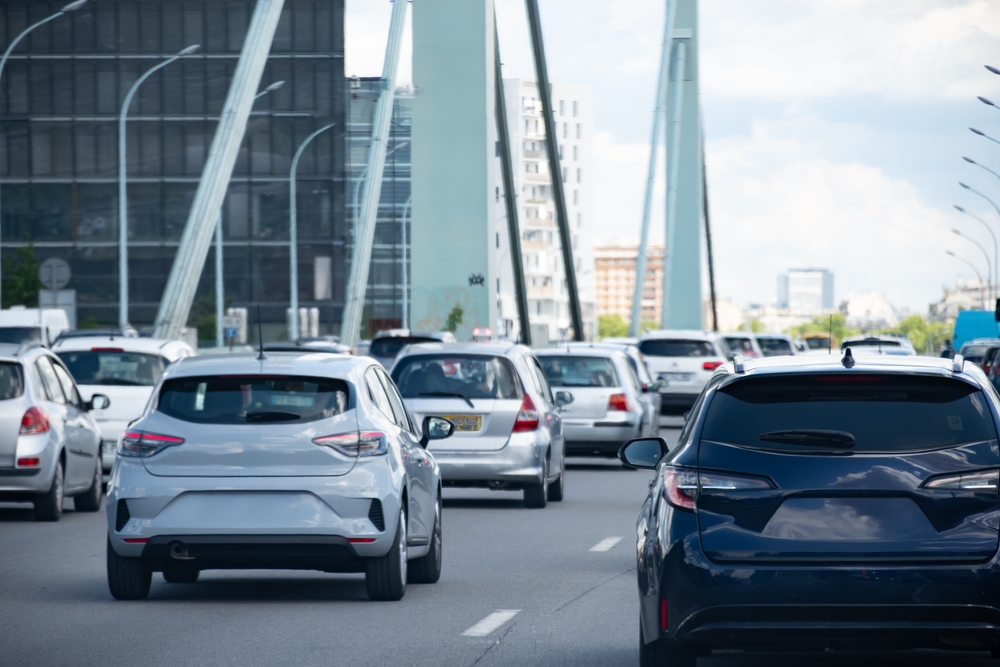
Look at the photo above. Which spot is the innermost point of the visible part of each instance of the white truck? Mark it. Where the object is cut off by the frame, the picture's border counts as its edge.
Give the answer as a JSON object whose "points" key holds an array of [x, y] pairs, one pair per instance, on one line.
{"points": [[19, 325]]}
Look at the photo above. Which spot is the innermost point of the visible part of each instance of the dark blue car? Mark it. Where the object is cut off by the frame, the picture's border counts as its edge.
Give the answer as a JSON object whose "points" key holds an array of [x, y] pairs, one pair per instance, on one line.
{"points": [[824, 503]]}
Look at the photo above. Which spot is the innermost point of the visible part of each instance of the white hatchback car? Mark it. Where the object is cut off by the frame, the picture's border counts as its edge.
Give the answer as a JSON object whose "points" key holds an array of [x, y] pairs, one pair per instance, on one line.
{"points": [[292, 461], [123, 368], [683, 362]]}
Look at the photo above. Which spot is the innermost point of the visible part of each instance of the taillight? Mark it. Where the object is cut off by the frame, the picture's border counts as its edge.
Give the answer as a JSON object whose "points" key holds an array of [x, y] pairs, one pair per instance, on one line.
{"points": [[28, 463], [527, 416], [34, 422], [136, 444], [711, 365], [983, 480], [358, 443], [618, 403], [682, 486]]}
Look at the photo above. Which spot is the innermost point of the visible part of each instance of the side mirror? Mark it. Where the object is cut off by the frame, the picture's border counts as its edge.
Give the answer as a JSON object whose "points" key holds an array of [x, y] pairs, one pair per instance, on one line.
{"points": [[436, 428], [564, 398], [98, 402], [643, 453]]}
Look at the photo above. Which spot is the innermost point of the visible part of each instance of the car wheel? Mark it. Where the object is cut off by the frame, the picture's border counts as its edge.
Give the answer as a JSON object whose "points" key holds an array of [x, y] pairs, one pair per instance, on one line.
{"points": [[91, 500], [181, 576], [49, 506], [385, 576], [534, 495], [663, 654], [557, 487], [427, 569], [128, 578]]}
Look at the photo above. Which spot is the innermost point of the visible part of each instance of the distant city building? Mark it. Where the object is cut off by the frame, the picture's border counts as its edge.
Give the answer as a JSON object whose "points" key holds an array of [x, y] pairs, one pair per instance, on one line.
{"points": [[615, 273], [806, 291], [966, 295], [868, 311]]}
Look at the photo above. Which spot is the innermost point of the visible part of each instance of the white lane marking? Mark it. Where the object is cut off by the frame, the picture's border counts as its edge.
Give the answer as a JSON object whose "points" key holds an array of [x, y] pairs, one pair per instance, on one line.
{"points": [[606, 544], [491, 623]]}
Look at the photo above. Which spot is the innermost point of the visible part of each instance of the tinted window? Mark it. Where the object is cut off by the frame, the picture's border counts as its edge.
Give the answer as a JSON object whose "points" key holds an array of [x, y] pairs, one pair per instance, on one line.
{"points": [[774, 347], [398, 410], [640, 369], [49, 380], [739, 344], [817, 343], [974, 353], [113, 367], [253, 399], [378, 395], [870, 343], [19, 335], [390, 347], [882, 412], [678, 348], [11, 380], [471, 375], [543, 384], [69, 389], [572, 371]]}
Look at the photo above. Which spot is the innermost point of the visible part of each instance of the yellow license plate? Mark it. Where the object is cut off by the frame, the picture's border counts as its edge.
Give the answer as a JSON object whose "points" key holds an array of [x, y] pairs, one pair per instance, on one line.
{"points": [[465, 423]]}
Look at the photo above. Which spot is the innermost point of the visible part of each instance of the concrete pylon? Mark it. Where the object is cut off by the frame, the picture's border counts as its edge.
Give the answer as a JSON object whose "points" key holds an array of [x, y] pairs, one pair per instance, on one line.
{"points": [[455, 168]]}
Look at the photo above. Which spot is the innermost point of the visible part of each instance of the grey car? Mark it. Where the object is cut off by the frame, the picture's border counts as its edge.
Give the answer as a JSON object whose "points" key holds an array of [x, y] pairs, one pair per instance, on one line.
{"points": [[508, 428], [650, 386], [49, 442], [292, 461]]}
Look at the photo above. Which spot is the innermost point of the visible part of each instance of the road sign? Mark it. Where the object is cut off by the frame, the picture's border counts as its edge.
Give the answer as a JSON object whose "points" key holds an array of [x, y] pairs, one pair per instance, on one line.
{"points": [[232, 333], [231, 323], [54, 273]]}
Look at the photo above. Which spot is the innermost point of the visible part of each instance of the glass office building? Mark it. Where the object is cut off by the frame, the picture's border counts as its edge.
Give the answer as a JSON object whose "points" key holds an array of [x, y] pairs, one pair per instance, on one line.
{"points": [[60, 97]]}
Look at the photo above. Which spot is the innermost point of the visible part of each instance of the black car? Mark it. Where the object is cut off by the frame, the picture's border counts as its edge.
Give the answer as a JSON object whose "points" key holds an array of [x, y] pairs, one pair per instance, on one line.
{"points": [[824, 503]]}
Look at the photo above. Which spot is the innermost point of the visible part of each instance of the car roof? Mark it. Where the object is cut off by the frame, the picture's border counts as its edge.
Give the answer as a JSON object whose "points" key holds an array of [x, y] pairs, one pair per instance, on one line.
{"points": [[497, 348], [740, 334], [681, 334], [832, 364], [321, 364], [578, 351], [621, 347], [127, 344], [773, 335]]}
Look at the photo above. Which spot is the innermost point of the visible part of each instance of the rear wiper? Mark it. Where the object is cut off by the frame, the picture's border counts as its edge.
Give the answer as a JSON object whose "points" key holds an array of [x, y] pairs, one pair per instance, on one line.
{"points": [[811, 436], [272, 416], [445, 394]]}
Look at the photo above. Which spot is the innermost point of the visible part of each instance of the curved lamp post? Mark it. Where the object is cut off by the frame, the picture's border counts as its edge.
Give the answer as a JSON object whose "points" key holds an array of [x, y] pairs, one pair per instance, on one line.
{"points": [[971, 161], [71, 7], [986, 102], [983, 134], [122, 196], [989, 265], [293, 237], [973, 266], [361, 180], [996, 252]]}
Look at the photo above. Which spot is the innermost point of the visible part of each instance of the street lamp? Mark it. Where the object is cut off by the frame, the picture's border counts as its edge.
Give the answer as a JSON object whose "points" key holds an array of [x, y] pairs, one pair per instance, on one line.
{"points": [[992, 69], [971, 161], [219, 287], [293, 254], [989, 266], [986, 101], [361, 179], [978, 275], [71, 7], [983, 134], [996, 253], [122, 197]]}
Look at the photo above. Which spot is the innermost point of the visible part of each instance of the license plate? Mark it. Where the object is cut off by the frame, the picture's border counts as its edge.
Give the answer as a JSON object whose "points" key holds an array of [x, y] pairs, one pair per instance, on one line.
{"points": [[675, 377], [109, 446], [465, 423]]}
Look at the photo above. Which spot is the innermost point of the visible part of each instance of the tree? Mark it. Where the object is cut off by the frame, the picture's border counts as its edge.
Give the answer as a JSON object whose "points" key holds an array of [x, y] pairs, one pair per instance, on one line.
{"points": [[20, 281], [821, 324], [454, 319], [611, 326], [927, 337], [754, 326]]}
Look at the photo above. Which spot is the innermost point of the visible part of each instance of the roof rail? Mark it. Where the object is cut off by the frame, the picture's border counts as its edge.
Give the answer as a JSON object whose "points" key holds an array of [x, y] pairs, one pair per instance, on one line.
{"points": [[738, 364], [30, 345], [957, 363]]}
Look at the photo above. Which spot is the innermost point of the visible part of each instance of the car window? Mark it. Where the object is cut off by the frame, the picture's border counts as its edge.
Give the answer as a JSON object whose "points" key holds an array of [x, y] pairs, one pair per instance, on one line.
{"points": [[882, 412], [378, 395], [11, 380], [639, 366], [677, 348], [579, 371], [543, 384], [69, 389], [113, 366], [49, 380], [391, 345], [630, 372], [470, 375], [817, 343], [20, 335], [738, 344], [395, 402], [773, 347]]}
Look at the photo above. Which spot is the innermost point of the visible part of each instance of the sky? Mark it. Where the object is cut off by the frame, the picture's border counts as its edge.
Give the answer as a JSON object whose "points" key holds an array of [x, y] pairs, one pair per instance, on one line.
{"points": [[834, 130]]}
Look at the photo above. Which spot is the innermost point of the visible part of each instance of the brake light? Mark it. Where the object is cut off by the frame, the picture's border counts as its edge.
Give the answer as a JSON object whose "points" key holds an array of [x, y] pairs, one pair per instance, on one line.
{"points": [[618, 403], [663, 614], [34, 422], [983, 480], [107, 349], [358, 443], [360, 540], [711, 365], [28, 463], [136, 444], [682, 486], [527, 416]]}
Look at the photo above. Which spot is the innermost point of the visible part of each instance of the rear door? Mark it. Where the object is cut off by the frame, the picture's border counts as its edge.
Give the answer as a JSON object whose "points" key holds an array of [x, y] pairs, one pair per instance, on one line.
{"points": [[849, 467]]}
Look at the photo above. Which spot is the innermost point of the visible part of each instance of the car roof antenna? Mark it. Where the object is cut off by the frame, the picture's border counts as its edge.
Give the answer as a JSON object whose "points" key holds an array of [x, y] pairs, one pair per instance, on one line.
{"points": [[260, 336], [848, 359]]}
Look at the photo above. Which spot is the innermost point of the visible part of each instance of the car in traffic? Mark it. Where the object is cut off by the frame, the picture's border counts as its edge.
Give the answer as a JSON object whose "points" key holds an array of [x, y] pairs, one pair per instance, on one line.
{"points": [[976, 350], [819, 342], [602, 405], [777, 345], [743, 343], [49, 442], [286, 461], [682, 361], [880, 344], [385, 345], [832, 503], [508, 426], [19, 325], [124, 368], [650, 386]]}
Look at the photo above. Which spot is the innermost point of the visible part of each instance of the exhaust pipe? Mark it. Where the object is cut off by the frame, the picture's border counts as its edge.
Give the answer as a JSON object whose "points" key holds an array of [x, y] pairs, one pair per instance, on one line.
{"points": [[178, 551]]}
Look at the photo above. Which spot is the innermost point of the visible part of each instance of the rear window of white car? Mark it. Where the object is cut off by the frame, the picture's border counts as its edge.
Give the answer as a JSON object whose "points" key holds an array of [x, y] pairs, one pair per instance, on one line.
{"points": [[11, 381], [677, 348], [739, 344], [253, 399], [573, 371], [466, 375], [113, 367]]}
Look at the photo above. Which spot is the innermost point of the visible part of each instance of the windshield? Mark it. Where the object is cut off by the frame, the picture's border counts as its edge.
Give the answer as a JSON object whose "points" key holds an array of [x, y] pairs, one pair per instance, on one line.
{"points": [[677, 348], [573, 371], [114, 367], [19, 335], [467, 375], [817, 343], [253, 399], [739, 344], [390, 346], [11, 380], [882, 412], [775, 347]]}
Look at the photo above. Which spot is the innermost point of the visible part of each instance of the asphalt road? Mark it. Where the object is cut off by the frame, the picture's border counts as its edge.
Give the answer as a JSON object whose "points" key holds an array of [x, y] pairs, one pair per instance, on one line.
{"points": [[520, 587]]}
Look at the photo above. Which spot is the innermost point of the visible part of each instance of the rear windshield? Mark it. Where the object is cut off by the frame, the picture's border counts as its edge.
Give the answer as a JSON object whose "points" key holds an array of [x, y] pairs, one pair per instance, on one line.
{"points": [[739, 344], [11, 380], [253, 399], [677, 348], [817, 343], [114, 367], [390, 346], [880, 412], [775, 347], [19, 335], [573, 371], [870, 343], [974, 352], [468, 375]]}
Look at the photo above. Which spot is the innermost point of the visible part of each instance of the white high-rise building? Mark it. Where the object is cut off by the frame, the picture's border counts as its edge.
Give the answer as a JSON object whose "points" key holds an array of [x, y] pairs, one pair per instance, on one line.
{"points": [[548, 299], [806, 291]]}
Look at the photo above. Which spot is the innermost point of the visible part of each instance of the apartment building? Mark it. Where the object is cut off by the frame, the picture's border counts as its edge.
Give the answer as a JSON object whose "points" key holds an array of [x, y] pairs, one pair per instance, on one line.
{"points": [[615, 274]]}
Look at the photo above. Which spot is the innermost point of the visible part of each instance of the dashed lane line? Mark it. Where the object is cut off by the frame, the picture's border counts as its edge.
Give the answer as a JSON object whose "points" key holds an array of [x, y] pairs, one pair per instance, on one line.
{"points": [[606, 544], [491, 623]]}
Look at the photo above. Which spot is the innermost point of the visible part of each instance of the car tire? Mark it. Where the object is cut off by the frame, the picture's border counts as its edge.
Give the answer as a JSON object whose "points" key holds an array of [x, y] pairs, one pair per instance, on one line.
{"points": [[90, 501], [48, 507], [557, 487], [535, 496], [663, 654], [385, 576], [427, 569], [181, 576], [128, 578]]}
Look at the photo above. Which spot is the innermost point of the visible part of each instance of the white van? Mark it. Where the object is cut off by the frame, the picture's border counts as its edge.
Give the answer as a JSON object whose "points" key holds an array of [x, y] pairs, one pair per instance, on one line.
{"points": [[19, 325]]}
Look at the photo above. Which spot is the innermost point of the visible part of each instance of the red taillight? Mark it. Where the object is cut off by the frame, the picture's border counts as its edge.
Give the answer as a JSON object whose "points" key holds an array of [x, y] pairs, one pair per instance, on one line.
{"points": [[711, 365], [527, 416], [34, 421], [680, 487], [136, 540], [28, 463], [360, 540], [141, 445], [663, 614], [618, 403], [357, 443]]}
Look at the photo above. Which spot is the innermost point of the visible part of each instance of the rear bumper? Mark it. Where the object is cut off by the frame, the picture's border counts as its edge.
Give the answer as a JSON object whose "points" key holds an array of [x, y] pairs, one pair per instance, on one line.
{"points": [[330, 553], [600, 434], [520, 462], [595, 447]]}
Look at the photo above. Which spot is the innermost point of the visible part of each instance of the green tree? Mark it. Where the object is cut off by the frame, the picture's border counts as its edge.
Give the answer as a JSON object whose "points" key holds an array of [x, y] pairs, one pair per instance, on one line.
{"points": [[202, 316], [89, 322], [611, 326], [754, 326], [20, 280], [454, 319], [821, 324], [927, 337]]}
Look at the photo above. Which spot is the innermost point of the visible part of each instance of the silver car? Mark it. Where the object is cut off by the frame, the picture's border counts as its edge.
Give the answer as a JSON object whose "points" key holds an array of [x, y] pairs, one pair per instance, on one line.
{"points": [[293, 461], [49, 442], [386, 344], [650, 386], [508, 431], [606, 407]]}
